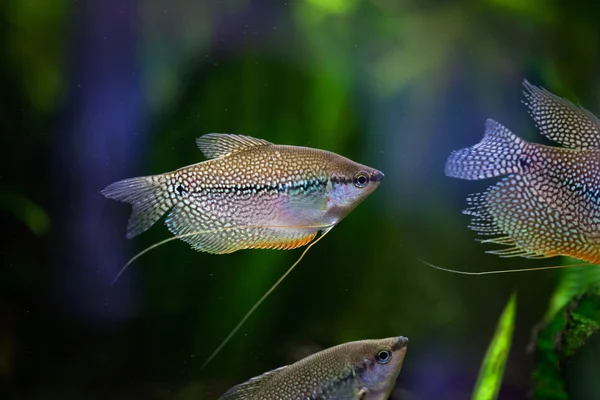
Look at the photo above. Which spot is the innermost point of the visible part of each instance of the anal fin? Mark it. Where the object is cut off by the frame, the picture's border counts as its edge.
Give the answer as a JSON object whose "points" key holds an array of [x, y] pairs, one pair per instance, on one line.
{"points": [[205, 232], [283, 242]]}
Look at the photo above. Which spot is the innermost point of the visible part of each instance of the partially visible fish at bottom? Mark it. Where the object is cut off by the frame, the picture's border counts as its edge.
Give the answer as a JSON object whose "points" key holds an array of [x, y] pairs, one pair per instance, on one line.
{"points": [[362, 370]]}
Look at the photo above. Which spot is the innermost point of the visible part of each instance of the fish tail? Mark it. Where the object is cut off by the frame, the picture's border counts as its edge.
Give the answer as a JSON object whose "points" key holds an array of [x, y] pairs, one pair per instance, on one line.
{"points": [[149, 197], [498, 153]]}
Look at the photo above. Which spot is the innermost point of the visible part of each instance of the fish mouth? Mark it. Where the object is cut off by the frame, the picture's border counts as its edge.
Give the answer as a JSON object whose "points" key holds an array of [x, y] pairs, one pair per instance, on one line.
{"points": [[401, 343], [377, 176]]}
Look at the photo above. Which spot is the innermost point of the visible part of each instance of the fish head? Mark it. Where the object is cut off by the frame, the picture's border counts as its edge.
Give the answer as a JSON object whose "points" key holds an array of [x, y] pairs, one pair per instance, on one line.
{"points": [[378, 363], [350, 184]]}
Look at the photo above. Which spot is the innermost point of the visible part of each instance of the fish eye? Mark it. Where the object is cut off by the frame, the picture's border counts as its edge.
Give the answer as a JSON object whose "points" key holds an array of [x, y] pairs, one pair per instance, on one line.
{"points": [[361, 179], [383, 356]]}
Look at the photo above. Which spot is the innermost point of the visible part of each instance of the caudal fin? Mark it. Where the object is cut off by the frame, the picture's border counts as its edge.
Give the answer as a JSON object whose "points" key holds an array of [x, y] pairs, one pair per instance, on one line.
{"points": [[495, 155], [147, 195]]}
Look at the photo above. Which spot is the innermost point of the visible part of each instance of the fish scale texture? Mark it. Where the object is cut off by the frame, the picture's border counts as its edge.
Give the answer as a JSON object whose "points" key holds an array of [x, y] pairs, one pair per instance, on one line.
{"points": [[266, 186]]}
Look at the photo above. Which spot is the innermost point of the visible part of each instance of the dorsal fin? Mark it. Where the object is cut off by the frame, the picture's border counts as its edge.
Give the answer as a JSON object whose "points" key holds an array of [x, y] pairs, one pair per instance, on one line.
{"points": [[560, 120], [496, 154], [215, 145], [248, 389]]}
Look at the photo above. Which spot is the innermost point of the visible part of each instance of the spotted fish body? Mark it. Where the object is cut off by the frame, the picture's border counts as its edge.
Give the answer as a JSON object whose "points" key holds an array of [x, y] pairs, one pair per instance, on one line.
{"points": [[363, 370], [250, 193], [548, 204]]}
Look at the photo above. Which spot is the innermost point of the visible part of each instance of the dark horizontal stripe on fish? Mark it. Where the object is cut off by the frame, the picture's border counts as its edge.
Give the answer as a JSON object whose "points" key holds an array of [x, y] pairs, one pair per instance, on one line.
{"points": [[586, 188], [285, 187], [341, 179]]}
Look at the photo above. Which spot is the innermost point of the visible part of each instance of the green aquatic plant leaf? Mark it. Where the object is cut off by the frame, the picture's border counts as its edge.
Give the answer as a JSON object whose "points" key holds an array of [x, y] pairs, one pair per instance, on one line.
{"points": [[492, 370], [572, 318], [573, 282]]}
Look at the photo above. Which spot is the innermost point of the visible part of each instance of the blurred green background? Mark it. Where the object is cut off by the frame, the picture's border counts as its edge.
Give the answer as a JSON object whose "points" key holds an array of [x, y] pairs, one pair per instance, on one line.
{"points": [[95, 91]]}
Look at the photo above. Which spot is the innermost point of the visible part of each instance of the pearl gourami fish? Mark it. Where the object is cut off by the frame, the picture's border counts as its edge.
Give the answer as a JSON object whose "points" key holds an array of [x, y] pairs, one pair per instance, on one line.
{"points": [[548, 203], [248, 194], [362, 370]]}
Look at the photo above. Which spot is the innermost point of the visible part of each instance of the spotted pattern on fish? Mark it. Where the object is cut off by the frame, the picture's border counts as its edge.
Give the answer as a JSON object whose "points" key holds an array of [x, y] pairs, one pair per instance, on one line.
{"points": [[348, 371], [561, 121], [549, 202], [250, 193]]}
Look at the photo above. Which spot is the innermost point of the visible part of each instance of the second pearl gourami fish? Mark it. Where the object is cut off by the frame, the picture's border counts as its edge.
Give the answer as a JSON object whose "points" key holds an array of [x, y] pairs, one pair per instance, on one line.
{"points": [[549, 202], [363, 370], [250, 193]]}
